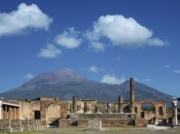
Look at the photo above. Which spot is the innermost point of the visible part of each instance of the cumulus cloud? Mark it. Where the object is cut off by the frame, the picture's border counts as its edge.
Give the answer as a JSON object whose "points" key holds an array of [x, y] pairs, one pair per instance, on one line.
{"points": [[24, 18], [69, 39], [98, 46], [177, 71], [49, 52], [112, 79], [29, 76], [123, 32]]}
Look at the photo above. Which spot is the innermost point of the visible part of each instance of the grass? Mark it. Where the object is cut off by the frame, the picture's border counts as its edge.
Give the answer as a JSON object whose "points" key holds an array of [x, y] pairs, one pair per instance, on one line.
{"points": [[113, 130]]}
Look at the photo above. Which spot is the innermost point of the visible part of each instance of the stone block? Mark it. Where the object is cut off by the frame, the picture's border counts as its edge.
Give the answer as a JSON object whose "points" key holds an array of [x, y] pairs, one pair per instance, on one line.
{"points": [[82, 123], [140, 123], [64, 123]]}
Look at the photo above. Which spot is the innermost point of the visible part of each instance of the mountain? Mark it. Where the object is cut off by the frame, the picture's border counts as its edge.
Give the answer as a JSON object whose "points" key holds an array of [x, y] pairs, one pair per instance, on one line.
{"points": [[67, 83]]}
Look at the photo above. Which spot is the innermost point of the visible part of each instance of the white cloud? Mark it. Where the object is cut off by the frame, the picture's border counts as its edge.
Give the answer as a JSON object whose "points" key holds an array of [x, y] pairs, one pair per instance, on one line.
{"points": [[94, 69], [26, 17], [29, 76], [123, 32], [69, 39], [97, 46], [148, 80], [112, 79], [49, 52], [156, 42], [177, 71]]}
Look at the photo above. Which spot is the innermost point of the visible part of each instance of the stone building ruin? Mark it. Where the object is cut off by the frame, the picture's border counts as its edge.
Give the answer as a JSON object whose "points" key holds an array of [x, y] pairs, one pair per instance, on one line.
{"points": [[45, 112]]}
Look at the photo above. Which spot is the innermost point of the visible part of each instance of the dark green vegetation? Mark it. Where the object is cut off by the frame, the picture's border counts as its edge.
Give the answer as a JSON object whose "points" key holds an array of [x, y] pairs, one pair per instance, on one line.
{"points": [[66, 83]]}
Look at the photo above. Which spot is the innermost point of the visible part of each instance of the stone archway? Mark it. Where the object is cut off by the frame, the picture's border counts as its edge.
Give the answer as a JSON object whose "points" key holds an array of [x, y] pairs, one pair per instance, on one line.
{"points": [[159, 108], [148, 111]]}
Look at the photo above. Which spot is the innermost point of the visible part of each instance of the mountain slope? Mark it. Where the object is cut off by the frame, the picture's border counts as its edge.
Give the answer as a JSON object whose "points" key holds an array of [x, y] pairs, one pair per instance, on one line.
{"points": [[66, 83]]}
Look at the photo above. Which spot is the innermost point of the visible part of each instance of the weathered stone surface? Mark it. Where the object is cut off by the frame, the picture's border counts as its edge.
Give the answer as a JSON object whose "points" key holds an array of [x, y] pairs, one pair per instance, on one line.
{"points": [[94, 124], [140, 123], [114, 123], [64, 123], [102, 116], [82, 123], [20, 125]]}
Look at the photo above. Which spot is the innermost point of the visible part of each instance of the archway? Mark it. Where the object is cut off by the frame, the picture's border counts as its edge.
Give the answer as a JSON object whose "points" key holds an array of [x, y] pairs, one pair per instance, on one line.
{"points": [[148, 112]]}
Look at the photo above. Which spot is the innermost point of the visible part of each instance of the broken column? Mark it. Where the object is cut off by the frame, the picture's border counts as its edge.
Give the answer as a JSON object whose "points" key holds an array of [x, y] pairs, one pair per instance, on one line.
{"points": [[120, 104], [74, 104], [132, 98]]}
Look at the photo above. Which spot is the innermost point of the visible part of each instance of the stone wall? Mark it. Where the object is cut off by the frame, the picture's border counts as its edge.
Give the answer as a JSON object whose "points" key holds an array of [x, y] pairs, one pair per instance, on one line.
{"points": [[140, 123], [64, 123], [94, 124], [114, 123], [104, 120], [82, 123], [20, 125], [102, 116]]}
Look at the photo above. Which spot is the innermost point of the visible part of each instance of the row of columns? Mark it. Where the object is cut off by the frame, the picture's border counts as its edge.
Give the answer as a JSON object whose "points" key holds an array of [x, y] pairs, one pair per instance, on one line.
{"points": [[120, 101], [87, 108], [8, 112]]}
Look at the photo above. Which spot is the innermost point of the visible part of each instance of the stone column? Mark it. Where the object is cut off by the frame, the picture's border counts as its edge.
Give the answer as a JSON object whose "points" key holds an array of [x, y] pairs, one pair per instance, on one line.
{"points": [[120, 104], [74, 104], [14, 113], [10, 113], [132, 98], [18, 113], [175, 118], [6, 113], [108, 108], [1, 112]]}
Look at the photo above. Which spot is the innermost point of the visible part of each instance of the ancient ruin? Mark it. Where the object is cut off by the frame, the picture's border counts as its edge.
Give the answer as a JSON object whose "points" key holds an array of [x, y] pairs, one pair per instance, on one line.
{"points": [[44, 112]]}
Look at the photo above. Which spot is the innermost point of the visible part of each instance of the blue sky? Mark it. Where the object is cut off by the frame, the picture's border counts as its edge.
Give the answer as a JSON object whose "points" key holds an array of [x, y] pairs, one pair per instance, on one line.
{"points": [[107, 41]]}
